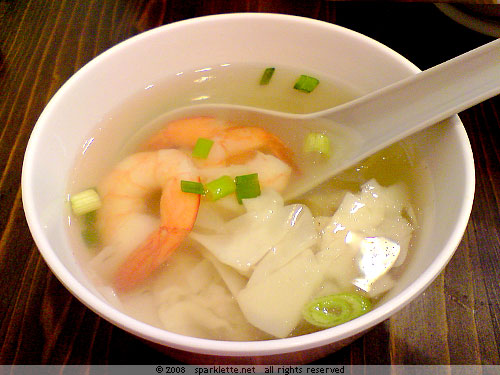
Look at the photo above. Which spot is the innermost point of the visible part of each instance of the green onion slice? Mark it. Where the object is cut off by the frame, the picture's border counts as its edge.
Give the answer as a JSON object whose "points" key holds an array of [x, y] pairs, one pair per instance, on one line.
{"points": [[247, 186], [317, 142], [85, 202], [266, 76], [202, 148], [90, 218], [90, 236], [192, 187], [306, 83], [335, 309], [220, 187]]}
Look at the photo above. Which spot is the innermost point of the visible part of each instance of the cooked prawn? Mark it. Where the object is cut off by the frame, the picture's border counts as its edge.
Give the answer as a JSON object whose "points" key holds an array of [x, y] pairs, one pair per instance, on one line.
{"points": [[230, 142], [159, 167], [124, 194]]}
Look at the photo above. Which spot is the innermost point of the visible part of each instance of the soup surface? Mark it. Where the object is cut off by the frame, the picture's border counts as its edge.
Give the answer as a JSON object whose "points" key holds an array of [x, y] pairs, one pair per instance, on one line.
{"points": [[254, 269]]}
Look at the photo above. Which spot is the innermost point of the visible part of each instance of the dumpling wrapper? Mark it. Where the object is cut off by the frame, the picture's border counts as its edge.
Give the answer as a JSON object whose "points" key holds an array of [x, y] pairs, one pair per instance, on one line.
{"points": [[243, 241], [193, 300], [234, 281], [212, 314], [276, 255], [376, 211], [301, 235], [275, 303]]}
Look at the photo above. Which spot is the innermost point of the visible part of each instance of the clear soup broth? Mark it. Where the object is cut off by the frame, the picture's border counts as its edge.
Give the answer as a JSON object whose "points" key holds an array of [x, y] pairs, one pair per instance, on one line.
{"points": [[249, 271]]}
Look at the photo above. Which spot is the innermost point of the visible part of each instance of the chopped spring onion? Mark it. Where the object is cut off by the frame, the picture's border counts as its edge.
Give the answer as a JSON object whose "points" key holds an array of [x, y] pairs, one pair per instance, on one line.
{"points": [[202, 148], [90, 218], [335, 309], [266, 76], [85, 202], [220, 187], [192, 187], [306, 83], [90, 236], [247, 186], [317, 142]]}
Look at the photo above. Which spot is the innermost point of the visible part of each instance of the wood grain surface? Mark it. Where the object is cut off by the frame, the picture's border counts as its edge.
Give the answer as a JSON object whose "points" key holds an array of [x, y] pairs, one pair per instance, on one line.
{"points": [[43, 42]]}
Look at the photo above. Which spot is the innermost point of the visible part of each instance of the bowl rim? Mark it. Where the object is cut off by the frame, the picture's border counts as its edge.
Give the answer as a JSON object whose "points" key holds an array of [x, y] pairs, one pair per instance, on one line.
{"points": [[239, 348]]}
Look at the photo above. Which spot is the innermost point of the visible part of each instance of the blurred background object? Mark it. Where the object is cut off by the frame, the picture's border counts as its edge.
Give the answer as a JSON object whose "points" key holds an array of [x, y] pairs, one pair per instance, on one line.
{"points": [[483, 18]]}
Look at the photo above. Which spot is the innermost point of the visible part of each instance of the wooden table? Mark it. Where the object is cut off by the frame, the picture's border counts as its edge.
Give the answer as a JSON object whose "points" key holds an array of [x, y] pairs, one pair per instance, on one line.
{"points": [[42, 43]]}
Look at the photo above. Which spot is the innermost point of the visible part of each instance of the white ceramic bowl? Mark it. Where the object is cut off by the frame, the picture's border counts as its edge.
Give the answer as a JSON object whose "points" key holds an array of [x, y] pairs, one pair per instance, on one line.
{"points": [[261, 38]]}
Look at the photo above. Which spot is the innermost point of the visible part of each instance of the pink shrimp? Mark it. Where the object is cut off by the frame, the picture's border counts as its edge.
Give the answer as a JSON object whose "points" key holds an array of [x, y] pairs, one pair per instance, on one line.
{"points": [[234, 142], [159, 167], [124, 195]]}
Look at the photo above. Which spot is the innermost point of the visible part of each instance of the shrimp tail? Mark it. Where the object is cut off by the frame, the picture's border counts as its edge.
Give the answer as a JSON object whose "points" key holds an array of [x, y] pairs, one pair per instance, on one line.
{"points": [[280, 150], [154, 251], [179, 212]]}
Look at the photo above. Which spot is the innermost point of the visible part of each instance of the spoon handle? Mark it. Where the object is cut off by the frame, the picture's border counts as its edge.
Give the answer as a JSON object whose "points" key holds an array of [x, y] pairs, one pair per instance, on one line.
{"points": [[394, 112]]}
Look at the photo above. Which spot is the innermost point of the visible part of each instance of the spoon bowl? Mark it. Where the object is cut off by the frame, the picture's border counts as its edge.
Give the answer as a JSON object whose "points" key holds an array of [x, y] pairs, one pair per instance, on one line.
{"points": [[360, 128]]}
